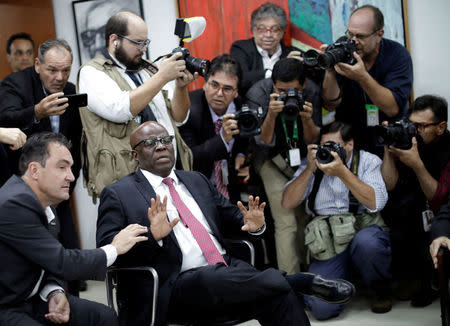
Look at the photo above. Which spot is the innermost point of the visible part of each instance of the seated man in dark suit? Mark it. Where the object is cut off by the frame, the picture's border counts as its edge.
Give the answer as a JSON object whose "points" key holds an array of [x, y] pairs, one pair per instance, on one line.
{"points": [[211, 128], [188, 220], [35, 263], [33, 100]]}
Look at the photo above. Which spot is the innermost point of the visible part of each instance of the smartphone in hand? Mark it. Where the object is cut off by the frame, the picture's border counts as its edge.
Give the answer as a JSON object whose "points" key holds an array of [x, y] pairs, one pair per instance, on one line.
{"points": [[77, 100]]}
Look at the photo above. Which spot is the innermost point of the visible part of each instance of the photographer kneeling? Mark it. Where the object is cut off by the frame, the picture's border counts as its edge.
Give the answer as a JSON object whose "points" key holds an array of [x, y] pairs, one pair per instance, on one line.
{"points": [[344, 196], [413, 172]]}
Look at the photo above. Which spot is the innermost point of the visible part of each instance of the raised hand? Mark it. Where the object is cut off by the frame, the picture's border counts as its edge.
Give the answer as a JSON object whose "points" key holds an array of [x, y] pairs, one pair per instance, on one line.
{"points": [[128, 237], [54, 104], [253, 216], [354, 72], [13, 137], [160, 226], [229, 127], [275, 107], [171, 68]]}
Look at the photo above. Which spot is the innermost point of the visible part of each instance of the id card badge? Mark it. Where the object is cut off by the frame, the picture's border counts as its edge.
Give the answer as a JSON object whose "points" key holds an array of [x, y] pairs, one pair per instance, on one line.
{"points": [[224, 174], [294, 157], [427, 216], [372, 113]]}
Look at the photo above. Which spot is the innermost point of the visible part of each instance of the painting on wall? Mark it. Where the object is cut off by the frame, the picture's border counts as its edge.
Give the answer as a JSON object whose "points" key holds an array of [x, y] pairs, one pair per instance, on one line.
{"points": [[90, 18], [313, 22]]}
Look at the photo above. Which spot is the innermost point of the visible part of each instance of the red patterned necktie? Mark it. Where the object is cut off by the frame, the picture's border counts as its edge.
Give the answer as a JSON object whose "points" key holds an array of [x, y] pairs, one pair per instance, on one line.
{"points": [[218, 168], [197, 229]]}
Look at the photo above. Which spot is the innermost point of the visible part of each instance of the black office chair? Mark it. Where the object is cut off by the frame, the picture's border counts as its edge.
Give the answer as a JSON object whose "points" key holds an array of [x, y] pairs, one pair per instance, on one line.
{"points": [[444, 284], [241, 249]]}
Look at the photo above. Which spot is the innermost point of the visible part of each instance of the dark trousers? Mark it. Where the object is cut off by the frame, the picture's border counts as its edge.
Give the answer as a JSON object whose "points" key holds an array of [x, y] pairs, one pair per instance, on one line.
{"points": [[369, 253], [204, 293], [82, 313]]}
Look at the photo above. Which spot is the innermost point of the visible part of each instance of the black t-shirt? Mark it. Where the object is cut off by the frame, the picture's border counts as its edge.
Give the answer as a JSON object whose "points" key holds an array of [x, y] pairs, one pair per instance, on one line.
{"points": [[393, 70]]}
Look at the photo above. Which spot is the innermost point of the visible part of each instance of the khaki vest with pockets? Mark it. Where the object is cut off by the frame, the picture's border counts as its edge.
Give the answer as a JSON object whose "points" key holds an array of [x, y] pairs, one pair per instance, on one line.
{"points": [[106, 151]]}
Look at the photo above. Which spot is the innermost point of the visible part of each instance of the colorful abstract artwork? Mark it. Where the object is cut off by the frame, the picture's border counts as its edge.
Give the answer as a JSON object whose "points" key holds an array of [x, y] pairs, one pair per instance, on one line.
{"points": [[314, 22]]}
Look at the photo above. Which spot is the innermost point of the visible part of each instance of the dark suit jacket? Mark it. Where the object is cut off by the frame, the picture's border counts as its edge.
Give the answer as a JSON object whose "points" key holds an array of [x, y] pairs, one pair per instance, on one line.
{"points": [[19, 92], [206, 145], [126, 202], [246, 53], [27, 247]]}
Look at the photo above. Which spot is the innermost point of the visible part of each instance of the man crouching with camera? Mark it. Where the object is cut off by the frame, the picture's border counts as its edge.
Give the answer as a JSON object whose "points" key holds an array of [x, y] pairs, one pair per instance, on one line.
{"points": [[344, 192], [415, 169]]}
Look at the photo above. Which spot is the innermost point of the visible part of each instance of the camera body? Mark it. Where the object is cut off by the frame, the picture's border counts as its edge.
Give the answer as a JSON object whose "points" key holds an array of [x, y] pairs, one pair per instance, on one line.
{"points": [[323, 154], [249, 121], [193, 64], [293, 103], [398, 134], [340, 51]]}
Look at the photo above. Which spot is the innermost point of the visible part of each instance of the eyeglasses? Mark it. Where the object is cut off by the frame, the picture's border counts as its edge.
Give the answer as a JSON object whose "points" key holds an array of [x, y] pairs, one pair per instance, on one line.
{"points": [[276, 29], [350, 35], [151, 142], [226, 90], [420, 126], [140, 45]]}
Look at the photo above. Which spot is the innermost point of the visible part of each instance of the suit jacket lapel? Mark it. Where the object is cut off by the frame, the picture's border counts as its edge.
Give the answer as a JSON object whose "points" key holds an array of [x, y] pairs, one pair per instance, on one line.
{"points": [[144, 187], [148, 192]]}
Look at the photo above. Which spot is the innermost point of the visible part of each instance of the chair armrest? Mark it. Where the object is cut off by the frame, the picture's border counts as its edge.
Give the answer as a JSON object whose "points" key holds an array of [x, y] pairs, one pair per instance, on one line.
{"points": [[111, 284], [242, 249]]}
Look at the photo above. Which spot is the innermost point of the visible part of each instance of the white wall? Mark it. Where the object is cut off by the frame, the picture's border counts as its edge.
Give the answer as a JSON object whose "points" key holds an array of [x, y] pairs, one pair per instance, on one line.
{"points": [[160, 17], [429, 27]]}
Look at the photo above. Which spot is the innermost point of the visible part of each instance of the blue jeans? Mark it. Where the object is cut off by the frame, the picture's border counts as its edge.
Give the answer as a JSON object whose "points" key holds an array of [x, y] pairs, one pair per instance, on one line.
{"points": [[369, 252]]}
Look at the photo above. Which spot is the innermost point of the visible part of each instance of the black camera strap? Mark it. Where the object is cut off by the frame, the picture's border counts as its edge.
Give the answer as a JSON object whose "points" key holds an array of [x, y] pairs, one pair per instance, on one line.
{"points": [[353, 203]]}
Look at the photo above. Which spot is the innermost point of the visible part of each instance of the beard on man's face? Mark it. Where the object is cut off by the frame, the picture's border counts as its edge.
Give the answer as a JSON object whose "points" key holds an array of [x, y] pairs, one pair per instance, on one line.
{"points": [[124, 59]]}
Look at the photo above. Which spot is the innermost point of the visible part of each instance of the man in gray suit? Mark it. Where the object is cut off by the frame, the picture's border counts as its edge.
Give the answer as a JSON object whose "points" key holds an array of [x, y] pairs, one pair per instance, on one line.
{"points": [[35, 264]]}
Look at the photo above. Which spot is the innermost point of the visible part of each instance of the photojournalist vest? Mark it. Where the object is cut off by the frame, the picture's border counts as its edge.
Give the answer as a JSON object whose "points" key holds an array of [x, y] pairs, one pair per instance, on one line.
{"points": [[105, 145]]}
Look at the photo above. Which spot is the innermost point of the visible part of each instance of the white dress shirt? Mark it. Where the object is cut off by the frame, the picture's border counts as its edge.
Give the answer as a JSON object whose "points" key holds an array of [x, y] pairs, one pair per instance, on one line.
{"points": [[269, 61], [332, 196], [192, 254], [111, 256]]}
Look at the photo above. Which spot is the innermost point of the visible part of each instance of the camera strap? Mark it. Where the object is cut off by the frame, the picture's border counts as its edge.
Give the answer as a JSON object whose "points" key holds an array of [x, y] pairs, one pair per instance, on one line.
{"points": [[353, 203], [292, 142]]}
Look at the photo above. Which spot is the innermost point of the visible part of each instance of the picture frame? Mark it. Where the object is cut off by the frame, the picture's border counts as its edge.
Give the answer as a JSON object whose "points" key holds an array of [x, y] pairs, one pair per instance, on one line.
{"points": [[90, 17]]}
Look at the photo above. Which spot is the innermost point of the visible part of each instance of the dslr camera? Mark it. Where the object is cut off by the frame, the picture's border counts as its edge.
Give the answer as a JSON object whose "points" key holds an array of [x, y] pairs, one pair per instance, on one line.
{"points": [[323, 154], [340, 51], [293, 103], [398, 134], [249, 121], [193, 64]]}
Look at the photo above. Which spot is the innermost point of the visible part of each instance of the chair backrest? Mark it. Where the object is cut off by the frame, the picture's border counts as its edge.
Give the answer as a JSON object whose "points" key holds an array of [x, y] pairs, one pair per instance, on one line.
{"points": [[242, 249], [111, 285]]}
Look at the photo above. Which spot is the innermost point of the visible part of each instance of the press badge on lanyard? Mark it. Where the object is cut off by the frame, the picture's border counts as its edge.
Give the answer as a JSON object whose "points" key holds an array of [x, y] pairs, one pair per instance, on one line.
{"points": [[372, 113], [427, 216]]}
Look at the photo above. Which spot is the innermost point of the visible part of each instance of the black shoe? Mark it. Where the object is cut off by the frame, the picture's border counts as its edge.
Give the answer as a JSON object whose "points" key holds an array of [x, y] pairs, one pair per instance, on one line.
{"points": [[424, 297], [332, 291]]}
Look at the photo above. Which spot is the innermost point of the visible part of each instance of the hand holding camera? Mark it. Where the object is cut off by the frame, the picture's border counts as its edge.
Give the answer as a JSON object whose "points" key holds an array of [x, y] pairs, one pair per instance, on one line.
{"points": [[331, 158], [293, 103], [229, 127], [171, 68]]}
